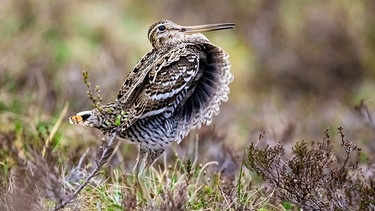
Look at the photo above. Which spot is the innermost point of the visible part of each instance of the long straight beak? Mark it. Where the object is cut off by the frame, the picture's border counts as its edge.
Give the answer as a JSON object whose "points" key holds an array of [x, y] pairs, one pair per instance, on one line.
{"points": [[206, 27]]}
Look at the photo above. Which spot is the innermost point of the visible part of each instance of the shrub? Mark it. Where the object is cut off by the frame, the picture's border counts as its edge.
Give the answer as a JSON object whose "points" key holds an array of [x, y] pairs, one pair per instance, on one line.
{"points": [[312, 178]]}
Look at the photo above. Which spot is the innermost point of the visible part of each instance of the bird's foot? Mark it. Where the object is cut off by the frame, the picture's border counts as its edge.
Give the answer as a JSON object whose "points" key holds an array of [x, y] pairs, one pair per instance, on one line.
{"points": [[140, 184]]}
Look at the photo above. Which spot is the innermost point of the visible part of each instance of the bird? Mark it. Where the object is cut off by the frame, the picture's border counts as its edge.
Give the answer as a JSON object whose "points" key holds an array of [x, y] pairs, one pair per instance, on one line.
{"points": [[176, 87]]}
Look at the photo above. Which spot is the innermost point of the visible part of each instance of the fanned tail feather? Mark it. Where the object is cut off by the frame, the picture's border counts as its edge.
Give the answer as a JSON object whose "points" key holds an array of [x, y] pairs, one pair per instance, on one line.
{"points": [[210, 91]]}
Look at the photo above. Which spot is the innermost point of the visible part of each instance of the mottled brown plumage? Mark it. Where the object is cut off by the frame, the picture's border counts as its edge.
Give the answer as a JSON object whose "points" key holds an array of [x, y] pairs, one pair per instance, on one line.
{"points": [[176, 87]]}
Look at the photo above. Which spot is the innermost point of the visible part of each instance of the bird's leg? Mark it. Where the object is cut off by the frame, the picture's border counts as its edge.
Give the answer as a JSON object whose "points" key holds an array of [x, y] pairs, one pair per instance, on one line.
{"points": [[141, 160], [138, 170], [146, 157], [153, 155]]}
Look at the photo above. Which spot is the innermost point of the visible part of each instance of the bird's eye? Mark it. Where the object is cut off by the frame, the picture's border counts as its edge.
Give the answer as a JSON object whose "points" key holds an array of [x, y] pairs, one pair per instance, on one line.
{"points": [[161, 28]]}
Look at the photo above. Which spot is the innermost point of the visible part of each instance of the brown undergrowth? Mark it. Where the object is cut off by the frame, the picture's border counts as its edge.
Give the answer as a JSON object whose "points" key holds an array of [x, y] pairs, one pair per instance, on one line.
{"points": [[312, 178]]}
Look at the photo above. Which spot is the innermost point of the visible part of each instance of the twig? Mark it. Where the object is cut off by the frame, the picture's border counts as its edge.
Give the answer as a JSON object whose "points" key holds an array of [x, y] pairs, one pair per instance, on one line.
{"points": [[96, 101], [369, 116], [103, 160], [54, 129], [82, 158], [363, 109], [240, 176]]}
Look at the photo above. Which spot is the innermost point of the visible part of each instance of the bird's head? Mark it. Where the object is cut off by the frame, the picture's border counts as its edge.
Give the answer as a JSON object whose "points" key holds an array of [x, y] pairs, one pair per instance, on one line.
{"points": [[165, 33]]}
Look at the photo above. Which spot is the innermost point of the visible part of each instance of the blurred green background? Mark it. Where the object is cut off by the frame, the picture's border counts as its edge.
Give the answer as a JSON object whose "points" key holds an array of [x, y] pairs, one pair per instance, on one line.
{"points": [[299, 66]]}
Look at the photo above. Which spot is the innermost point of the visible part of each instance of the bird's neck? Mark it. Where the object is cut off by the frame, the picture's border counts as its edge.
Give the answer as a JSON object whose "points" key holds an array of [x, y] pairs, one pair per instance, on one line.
{"points": [[181, 41]]}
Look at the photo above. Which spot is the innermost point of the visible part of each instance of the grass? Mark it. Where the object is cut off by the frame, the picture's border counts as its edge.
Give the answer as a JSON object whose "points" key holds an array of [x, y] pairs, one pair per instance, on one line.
{"points": [[43, 176], [51, 177], [184, 185]]}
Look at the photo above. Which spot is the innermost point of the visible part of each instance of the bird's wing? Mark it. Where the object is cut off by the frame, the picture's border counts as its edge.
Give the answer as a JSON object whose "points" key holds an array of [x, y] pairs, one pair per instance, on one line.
{"points": [[136, 77], [171, 76]]}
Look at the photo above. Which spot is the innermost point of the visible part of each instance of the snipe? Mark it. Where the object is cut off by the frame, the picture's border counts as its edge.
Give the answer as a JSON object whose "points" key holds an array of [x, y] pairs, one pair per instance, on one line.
{"points": [[176, 87]]}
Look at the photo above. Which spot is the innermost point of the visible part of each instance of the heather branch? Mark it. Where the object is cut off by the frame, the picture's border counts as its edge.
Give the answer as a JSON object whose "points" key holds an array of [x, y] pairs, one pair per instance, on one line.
{"points": [[106, 153], [103, 160], [309, 178], [96, 101]]}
